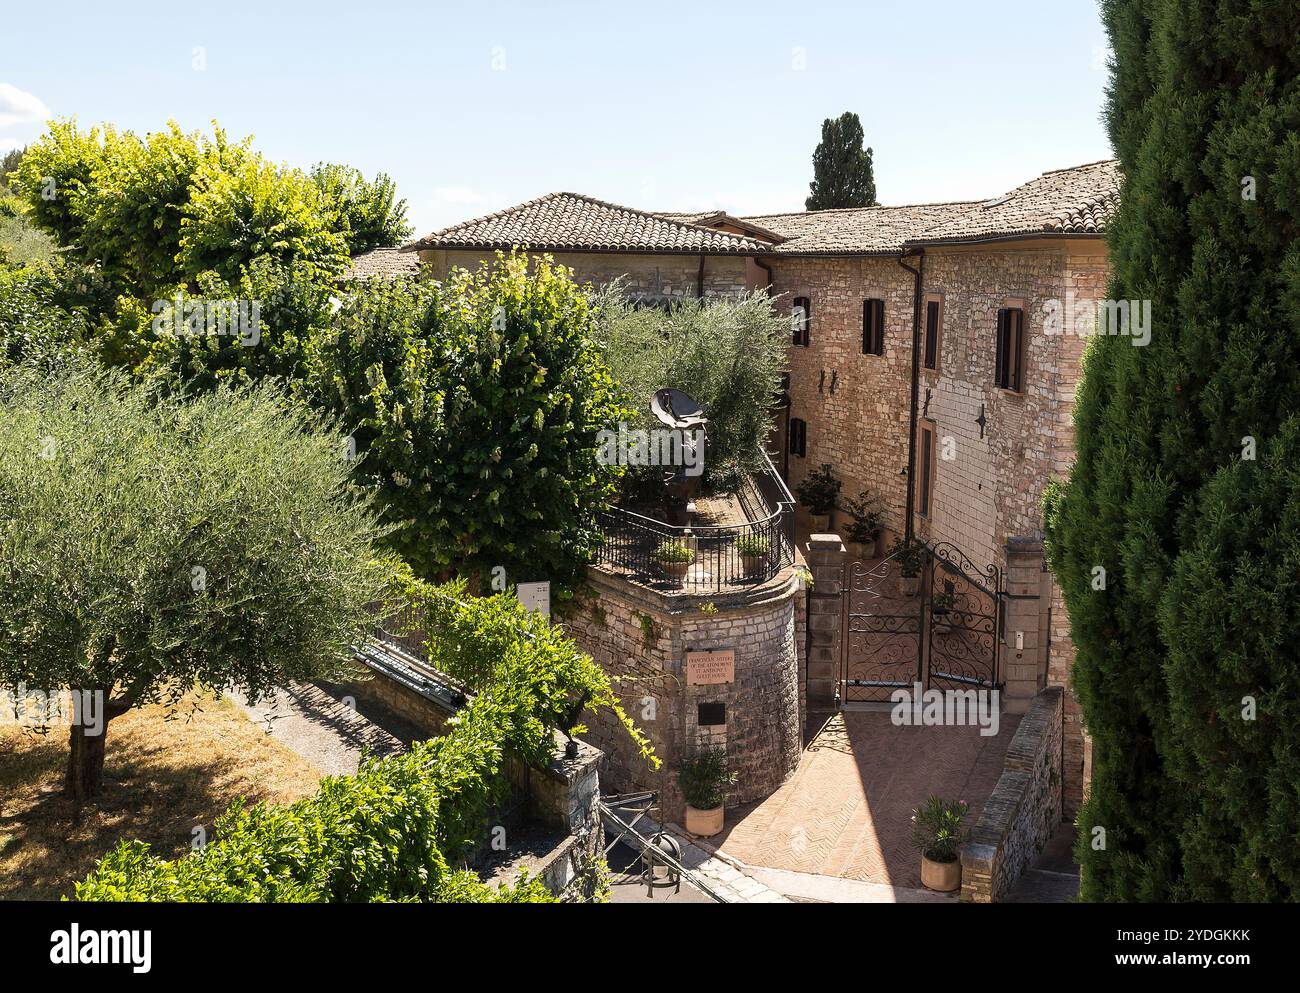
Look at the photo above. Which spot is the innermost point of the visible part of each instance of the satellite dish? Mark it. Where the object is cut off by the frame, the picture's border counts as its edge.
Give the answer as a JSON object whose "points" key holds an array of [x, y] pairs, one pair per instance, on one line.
{"points": [[677, 410]]}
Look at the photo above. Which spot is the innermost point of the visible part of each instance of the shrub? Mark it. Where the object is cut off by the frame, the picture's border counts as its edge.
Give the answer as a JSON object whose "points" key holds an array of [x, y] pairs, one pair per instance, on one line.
{"points": [[910, 556], [936, 829], [865, 520], [705, 780]]}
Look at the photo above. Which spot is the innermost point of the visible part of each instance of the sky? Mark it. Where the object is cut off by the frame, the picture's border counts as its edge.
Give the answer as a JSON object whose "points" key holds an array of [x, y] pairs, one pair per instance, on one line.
{"points": [[473, 107]]}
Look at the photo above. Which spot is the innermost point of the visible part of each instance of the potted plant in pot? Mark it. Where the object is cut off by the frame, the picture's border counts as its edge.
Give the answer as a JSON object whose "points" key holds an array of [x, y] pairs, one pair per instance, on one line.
{"points": [[941, 606], [817, 492], [937, 834], [705, 782], [910, 557], [674, 558], [753, 550], [865, 522]]}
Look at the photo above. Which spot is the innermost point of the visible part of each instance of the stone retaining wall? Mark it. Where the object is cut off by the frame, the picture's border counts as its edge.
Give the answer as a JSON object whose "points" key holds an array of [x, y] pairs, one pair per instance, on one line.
{"points": [[640, 635], [1023, 810]]}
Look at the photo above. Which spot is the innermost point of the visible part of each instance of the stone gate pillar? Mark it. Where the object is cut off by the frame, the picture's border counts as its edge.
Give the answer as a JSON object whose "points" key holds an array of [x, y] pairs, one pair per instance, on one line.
{"points": [[825, 619], [1024, 633]]}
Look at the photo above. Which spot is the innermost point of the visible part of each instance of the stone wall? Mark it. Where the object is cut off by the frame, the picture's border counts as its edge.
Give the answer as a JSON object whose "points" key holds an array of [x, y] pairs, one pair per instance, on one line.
{"points": [[651, 277], [640, 636], [1024, 808]]}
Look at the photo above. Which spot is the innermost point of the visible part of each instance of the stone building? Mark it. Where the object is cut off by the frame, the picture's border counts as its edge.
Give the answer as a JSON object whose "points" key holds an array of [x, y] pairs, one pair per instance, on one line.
{"points": [[935, 350]]}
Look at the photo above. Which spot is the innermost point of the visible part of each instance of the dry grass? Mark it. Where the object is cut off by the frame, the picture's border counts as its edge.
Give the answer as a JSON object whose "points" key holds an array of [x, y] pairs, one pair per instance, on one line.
{"points": [[162, 778]]}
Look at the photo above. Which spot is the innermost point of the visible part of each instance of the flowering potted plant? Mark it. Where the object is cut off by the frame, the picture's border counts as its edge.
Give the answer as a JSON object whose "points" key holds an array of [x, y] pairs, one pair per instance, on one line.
{"points": [[817, 492], [937, 834], [705, 782], [753, 550], [674, 558]]}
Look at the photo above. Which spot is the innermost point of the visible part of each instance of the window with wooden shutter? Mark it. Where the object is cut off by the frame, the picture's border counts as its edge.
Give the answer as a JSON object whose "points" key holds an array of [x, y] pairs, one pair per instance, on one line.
{"points": [[798, 437], [933, 329], [1009, 360], [873, 327], [801, 321]]}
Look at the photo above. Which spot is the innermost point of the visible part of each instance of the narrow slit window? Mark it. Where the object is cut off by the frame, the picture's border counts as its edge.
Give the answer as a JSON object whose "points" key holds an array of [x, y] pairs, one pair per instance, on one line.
{"points": [[933, 324], [873, 327], [801, 321], [927, 470], [1010, 359], [798, 437]]}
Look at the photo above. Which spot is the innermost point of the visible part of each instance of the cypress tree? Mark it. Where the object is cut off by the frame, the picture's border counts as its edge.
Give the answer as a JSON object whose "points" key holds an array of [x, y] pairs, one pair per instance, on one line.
{"points": [[842, 173], [1186, 484]]}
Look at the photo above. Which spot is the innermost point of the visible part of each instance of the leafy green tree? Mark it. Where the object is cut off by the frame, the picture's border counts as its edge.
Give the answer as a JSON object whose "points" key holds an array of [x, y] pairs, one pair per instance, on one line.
{"points": [[253, 208], [842, 172], [369, 212], [727, 354], [150, 544], [475, 406], [1185, 490]]}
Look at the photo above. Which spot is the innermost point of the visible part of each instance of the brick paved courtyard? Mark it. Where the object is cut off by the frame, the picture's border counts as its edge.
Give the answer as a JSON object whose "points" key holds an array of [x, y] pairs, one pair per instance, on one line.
{"points": [[847, 810]]}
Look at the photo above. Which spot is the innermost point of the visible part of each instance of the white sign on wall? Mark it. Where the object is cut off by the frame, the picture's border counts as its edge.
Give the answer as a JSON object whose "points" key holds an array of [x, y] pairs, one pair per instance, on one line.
{"points": [[536, 596]]}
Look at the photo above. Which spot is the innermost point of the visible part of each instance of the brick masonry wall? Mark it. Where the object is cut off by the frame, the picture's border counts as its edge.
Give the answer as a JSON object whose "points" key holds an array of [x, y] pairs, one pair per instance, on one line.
{"points": [[640, 636], [1024, 808], [653, 277]]}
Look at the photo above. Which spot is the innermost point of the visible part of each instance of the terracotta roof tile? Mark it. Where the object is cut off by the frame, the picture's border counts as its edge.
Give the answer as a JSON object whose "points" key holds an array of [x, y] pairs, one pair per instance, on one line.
{"points": [[573, 222]]}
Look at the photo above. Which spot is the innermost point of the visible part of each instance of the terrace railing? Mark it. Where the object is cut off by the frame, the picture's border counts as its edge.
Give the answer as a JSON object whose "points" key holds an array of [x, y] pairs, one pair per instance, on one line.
{"points": [[722, 556]]}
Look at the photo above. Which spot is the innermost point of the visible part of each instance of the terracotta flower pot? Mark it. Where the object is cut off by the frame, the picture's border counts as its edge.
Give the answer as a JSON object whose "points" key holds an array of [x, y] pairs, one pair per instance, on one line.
{"points": [[819, 523], [675, 570], [706, 823], [753, 564], [943, 877]]}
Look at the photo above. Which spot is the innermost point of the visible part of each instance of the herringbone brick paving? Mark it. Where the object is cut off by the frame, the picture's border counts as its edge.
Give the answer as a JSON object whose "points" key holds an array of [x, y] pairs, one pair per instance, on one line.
{"points": [[847, 810]]}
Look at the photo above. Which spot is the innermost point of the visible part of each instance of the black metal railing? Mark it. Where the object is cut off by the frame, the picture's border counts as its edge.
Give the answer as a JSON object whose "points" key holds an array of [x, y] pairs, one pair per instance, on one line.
{"points": [[704, 558]]}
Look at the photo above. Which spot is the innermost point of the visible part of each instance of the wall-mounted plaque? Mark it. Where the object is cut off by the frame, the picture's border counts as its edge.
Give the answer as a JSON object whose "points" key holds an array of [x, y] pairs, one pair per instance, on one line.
{"points": [[536, 596], [708, 668]]}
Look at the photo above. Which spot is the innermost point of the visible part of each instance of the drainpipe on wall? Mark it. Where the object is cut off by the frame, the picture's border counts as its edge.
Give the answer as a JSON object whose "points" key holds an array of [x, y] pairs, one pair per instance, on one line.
{"points": [[699, 282], [918, 276]]}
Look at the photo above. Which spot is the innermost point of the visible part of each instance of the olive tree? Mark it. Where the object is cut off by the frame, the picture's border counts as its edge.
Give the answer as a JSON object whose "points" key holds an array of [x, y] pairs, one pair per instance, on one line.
{"points": [[152, 543]]}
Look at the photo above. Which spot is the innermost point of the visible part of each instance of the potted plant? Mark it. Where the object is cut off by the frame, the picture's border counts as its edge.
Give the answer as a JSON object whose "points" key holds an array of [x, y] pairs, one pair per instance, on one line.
{"points": [[705, 783], [674, 558], [941, 606], [865, 522], [937, 834], [910, 557], [753, 550], [817, 492]]}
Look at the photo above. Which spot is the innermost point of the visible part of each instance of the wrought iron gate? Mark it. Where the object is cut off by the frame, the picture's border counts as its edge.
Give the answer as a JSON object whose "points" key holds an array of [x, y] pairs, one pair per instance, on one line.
{"points": [[925, 614]]}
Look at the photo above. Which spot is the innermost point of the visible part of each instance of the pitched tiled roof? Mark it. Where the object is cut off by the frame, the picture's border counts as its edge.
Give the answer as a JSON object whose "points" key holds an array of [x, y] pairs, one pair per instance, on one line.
{"points": [[572, 222], [1077, 201], [387, 262], [1063, 202], [1066, 201], [856, 230]]}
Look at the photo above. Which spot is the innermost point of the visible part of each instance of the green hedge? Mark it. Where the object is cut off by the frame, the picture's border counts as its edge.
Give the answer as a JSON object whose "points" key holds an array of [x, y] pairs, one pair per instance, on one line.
{"points": [[394, 830]]}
